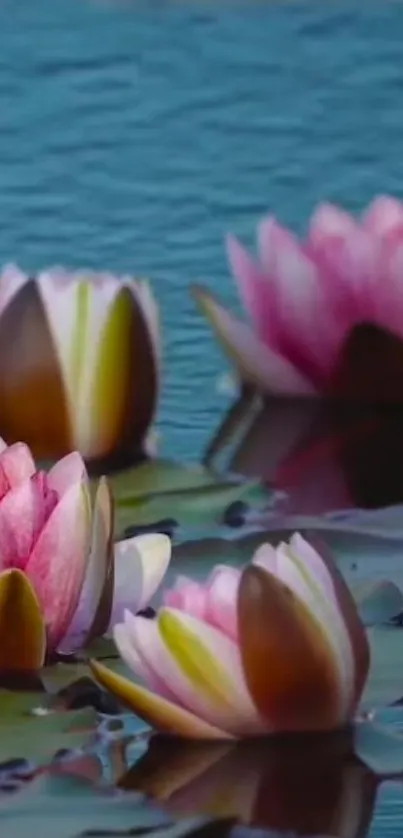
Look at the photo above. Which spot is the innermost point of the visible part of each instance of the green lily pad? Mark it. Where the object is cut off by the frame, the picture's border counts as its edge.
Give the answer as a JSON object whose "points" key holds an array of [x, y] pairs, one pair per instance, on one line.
{"points": [[163, 489], [37, 737], [159, 476], [61, 675], [379, 748]]}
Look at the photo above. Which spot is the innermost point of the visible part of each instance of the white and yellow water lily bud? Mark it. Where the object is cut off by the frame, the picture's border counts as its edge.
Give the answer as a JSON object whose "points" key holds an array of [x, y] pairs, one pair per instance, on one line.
{"points": [[79, 362]]}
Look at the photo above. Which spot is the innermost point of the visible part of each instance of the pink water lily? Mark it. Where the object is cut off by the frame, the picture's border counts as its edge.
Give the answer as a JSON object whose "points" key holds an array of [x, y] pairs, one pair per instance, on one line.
{"points": [[62, 580], [276, 647], [317, 306]]}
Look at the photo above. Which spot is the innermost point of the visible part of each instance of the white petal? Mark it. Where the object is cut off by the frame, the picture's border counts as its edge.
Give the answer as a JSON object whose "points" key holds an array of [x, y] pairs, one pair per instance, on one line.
{"points": [[140, 565], [77, 308]]}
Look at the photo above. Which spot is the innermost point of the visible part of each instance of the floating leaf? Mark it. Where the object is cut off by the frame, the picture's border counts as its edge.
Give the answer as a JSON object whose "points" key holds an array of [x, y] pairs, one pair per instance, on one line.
{"points": [[159, 476], [38, 737], [378, 601], [161, 489], [61, 675], [380, 749]]}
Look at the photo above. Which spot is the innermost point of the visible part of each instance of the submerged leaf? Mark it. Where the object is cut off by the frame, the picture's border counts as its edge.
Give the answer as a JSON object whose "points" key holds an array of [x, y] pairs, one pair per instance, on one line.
{"points": [[39, 737]]}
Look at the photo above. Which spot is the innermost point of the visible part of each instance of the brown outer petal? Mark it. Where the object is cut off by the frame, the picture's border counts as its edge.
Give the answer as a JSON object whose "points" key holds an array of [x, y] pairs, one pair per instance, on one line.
{"points": [[141, 391], [33, 404], [348, 608], [22, 628], [104, 610], [288, 663]]}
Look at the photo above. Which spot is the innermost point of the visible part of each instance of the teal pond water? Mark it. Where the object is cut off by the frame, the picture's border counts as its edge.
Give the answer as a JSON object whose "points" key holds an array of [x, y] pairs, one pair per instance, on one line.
{"points": [[133, 136]]}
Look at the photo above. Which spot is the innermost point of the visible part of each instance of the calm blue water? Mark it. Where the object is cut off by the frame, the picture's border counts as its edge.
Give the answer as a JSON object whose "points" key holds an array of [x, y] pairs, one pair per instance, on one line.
{"points": [[133, 136]]}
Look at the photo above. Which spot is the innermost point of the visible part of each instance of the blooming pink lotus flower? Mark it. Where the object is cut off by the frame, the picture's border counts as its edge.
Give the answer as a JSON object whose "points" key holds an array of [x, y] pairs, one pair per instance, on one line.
{"points": [[277, 647], [88, 344], [329, 305], [62, 580]]}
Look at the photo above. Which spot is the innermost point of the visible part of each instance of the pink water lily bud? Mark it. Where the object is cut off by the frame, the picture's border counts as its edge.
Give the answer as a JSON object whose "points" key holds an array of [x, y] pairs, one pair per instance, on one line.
{"points": [[88, 344], [326, 313], [63, 580], [275, 647]]}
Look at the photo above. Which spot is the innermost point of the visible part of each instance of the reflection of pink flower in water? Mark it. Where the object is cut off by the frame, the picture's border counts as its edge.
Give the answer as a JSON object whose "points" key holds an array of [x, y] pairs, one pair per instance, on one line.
{"points": [[307, 299]]}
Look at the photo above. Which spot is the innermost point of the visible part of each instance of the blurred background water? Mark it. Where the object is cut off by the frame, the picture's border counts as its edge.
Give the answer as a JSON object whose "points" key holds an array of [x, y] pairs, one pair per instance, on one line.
{"points": [[133, 136]]}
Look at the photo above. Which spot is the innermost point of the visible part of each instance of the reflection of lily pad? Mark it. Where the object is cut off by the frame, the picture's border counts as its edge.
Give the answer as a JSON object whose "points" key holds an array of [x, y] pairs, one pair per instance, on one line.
{"points": [[37, 737]]}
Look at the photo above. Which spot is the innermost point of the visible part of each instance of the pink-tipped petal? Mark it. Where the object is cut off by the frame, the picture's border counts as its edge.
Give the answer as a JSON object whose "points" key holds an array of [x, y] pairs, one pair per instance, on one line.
{"points": [[222, 592], [329, 222], [16, 466], [384, 216], [21, 519], [67, 471], [255, 362], [253, 288], [97, 576], [188, 596], [58, 563]]}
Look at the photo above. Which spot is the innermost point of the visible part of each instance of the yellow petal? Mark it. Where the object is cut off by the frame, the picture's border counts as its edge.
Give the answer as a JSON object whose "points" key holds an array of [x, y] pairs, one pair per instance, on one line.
{"points": [[155, 710], [123, 388], [22, 628]]}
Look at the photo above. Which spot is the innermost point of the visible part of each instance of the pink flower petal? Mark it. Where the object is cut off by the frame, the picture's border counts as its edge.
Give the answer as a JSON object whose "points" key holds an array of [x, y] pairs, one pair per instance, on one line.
{"points": [[255, 362], [59, 559], [188, 596], [96, 577], [20, 523], [67, 471], [384, 216], [16, 466], [222, 592], [329, 222], [254, 289]]}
